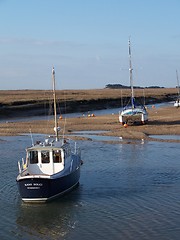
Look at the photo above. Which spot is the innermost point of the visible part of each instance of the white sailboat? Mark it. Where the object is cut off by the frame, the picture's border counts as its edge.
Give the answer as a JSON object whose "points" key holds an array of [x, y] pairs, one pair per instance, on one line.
{"points": [[132, 114], [177, 102]]}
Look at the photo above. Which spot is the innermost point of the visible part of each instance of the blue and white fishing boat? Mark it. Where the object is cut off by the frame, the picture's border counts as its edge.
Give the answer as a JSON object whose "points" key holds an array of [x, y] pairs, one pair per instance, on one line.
{"points": [[133, 113], [51, 168]]}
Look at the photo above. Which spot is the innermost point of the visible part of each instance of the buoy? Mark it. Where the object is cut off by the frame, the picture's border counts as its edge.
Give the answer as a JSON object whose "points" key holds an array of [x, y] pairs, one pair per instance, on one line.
{"points": [[125, 125], [60, 117]]}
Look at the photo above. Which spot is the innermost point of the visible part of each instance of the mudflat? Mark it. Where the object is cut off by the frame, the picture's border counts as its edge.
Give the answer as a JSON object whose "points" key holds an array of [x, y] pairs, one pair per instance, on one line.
{"points": [[162, 121], [24, 103]]}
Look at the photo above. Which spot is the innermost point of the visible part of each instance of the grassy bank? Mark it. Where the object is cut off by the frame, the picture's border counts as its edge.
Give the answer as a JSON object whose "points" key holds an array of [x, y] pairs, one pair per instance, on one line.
{"points": [[17, 97], [15, 103]]}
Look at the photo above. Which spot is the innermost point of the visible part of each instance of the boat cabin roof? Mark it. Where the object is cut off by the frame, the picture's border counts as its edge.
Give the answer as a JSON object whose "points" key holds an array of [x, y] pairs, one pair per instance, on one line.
{"points": [[48, 145]]}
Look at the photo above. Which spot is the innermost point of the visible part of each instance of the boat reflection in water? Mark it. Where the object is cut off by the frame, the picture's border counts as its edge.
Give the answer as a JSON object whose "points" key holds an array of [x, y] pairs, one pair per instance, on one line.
{"points": [[48, 221]]}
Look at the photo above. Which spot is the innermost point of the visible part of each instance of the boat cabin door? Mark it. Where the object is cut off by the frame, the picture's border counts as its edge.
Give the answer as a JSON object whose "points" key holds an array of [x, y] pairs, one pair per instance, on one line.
{"points": [[38, 162]]}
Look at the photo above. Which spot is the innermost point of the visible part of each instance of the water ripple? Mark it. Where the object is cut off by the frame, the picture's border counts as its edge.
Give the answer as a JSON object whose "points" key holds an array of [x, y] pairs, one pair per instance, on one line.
{"points": [[126, 192]]}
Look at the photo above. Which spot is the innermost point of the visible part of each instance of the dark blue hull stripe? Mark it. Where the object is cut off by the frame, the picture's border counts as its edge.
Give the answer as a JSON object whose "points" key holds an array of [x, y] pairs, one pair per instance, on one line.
{"points": [[44, 189]]}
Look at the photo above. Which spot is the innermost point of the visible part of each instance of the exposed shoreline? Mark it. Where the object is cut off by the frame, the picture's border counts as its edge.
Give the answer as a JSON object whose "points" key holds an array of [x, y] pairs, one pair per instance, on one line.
{"points": [[28, 103], [162, 121]]}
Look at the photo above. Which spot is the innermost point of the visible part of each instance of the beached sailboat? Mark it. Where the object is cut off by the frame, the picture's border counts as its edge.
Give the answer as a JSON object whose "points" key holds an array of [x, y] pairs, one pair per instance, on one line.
{"points": [[51, 168], [177, 102], [133, 113]]}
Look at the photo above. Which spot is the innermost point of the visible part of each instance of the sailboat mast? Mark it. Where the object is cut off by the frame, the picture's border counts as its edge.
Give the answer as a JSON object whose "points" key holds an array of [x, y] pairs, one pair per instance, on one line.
{"points": [[55, 111], [130, 75], [177, 83]]}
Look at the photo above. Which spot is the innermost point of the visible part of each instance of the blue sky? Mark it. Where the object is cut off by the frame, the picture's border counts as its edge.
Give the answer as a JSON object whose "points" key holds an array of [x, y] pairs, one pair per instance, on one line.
{"points": [[87, 43]]}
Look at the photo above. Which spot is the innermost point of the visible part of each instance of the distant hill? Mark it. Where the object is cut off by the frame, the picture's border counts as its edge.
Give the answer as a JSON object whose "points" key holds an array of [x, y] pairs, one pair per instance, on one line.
{"points": [[120, 86]]}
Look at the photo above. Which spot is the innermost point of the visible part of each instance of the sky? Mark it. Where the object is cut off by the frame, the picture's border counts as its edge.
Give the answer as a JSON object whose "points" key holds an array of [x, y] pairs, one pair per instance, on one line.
{"points": [[87, 43]]}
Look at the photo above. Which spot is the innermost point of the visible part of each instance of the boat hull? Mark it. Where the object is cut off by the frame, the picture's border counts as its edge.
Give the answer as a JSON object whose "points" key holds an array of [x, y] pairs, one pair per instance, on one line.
{"points": [[177, 104], [133, 116], [42, 189]]}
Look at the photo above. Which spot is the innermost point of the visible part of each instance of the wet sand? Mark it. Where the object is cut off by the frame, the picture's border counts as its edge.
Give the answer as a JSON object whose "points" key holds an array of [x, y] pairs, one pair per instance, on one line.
{"points": [[162, 121]]}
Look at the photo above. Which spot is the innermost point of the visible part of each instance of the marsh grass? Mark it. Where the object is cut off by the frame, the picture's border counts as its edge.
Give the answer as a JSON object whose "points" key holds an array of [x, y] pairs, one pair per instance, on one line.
{"points": [[12, 97]]}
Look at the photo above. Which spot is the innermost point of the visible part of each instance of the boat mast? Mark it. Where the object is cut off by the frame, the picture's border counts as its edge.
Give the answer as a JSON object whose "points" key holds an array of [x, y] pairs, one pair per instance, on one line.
{"points": [[130, 75], [55, 112], [177, 83]]}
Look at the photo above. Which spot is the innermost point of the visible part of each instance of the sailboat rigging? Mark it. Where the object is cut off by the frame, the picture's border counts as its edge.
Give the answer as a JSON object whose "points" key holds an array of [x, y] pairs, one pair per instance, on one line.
{"points": [[177, 102], [132, 114]]}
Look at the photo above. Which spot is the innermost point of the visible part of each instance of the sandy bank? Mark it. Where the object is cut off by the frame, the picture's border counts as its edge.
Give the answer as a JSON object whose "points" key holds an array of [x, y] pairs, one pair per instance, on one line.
{"points": [[165, 121]]}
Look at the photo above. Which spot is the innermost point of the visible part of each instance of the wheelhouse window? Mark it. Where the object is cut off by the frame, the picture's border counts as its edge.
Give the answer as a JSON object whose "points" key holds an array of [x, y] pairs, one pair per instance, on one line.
{"points": [[33, 157], [57, 156], [45, 157]]}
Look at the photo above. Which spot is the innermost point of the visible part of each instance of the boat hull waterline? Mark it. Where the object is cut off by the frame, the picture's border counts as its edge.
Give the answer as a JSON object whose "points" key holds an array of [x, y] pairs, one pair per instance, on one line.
{"points": [[43, 189]]}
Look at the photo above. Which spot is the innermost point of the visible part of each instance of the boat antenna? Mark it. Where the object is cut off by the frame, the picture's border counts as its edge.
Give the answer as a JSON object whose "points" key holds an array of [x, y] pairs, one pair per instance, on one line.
{"points": [[130, 74], [31, 137], [64, 128], [177, 82], [55, 111]]}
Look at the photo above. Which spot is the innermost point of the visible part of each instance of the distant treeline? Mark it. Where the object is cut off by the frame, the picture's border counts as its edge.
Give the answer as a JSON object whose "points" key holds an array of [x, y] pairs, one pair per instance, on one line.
{"points": [[120, 86]]}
